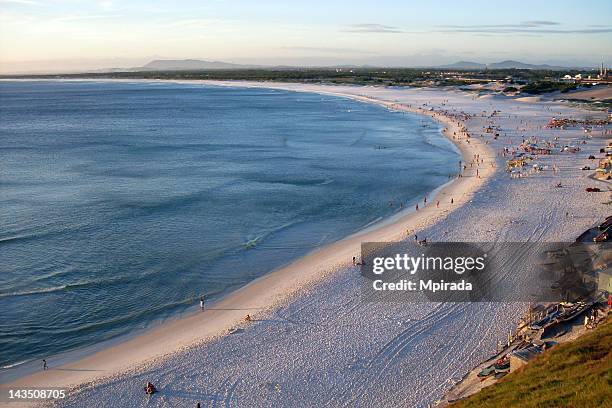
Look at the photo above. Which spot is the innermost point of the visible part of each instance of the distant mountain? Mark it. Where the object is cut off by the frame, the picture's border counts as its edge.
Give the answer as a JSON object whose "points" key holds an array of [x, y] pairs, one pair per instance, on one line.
{"points": [[188, 65], [200, 65], [465, 65], [508, 64]]}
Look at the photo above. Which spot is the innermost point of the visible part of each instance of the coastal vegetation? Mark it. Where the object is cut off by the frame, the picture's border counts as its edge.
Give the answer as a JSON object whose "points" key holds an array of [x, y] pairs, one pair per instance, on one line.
{"points": [[540, 87], [573, 374], [538, 80]]}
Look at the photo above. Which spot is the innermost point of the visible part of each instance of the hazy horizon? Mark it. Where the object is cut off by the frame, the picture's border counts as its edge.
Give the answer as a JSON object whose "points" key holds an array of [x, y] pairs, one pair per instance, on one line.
{"points": [[73, 35]]}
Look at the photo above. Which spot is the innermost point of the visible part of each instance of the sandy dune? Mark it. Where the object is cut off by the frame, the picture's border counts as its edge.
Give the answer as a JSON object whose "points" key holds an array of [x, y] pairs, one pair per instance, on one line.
{"points": [[598, 93]]}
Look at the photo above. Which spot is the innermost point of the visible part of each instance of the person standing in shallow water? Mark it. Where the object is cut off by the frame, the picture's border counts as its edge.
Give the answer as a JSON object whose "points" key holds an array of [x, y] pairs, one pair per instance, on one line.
{"points": [[45, 365], [202, 302]]}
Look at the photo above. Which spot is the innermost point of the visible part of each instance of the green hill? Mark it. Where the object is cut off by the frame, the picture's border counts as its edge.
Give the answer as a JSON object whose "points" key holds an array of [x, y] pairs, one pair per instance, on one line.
{"points": [[574, 374]]}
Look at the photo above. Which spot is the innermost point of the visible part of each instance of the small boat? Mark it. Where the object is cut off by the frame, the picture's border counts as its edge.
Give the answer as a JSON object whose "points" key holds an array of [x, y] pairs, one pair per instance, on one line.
{"points": [[574, 311], [487, 371], [603, 237], [502, 364], [549, 318]]}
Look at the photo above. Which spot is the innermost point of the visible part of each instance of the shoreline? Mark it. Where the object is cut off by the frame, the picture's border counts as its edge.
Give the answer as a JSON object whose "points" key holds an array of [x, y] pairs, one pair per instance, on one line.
{"points": [[276, 287]]}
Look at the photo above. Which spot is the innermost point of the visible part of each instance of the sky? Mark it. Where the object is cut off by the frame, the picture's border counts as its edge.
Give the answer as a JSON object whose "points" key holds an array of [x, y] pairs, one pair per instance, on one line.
{"points": [[38, 35]]}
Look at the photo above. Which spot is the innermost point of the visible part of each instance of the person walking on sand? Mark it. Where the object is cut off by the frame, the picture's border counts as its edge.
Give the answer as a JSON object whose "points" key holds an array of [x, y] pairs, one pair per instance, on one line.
{"points": [[452, 201], [417, 207], [202, 302], [438, 204], [150, 389], [44, 365]]}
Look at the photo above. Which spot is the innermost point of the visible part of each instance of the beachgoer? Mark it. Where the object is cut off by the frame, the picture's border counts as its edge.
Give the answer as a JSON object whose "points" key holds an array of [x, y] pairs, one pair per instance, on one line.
{"points": [[198, 405], [354, 261], [452, 201], [44, 365], [247, 318], [438, 204], [417, 207], [150, 389], [202, 302]]}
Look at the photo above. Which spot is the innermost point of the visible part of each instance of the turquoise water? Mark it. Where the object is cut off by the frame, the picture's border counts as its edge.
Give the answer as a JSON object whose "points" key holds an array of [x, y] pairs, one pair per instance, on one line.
{"points": [[121, 202]]}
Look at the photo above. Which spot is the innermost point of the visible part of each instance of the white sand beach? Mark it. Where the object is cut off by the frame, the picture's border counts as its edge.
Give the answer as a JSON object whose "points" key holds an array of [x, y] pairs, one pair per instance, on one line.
{"points": [[313, 339]]}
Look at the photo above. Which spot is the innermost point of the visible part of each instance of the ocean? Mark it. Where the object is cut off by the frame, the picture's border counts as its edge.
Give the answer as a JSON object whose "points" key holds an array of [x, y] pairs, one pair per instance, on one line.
{"points": [[122, 202]]}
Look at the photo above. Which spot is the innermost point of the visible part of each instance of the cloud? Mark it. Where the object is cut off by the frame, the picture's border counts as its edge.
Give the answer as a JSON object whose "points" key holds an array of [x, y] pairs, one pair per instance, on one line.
{"points": [[524, 24], [372, 28], [539, 23], [526, 30], [525, 27], [329, 50]]}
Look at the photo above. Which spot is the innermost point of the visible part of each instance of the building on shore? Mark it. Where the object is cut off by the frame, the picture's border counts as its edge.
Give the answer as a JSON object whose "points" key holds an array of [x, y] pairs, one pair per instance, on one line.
{"points": [[603, 72], [602, 77]]}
